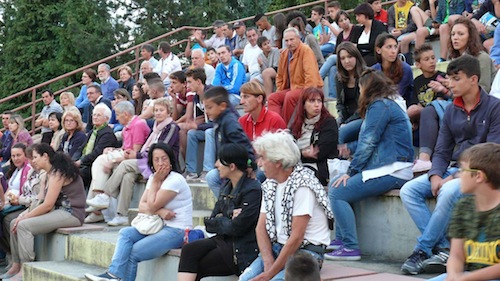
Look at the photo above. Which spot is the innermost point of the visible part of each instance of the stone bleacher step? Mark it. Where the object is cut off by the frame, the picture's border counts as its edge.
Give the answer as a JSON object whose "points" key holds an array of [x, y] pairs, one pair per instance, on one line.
{"points": [[92, 248], [203, 198], [58, 271]]}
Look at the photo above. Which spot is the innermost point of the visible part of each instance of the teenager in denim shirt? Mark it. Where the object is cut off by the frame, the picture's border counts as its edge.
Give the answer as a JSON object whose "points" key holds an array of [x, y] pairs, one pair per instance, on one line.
{"points": [[382, 159]]}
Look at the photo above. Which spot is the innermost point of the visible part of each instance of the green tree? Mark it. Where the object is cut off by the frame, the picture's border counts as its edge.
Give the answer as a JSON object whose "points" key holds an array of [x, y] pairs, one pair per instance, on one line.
{"points": [[43, 39]]}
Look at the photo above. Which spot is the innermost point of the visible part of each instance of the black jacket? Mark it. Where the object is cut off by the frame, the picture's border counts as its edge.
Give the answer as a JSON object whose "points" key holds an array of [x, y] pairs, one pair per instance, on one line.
{"points": [[368, 50], [326, 139], [105, 138], [247, 196], [227, 129]]}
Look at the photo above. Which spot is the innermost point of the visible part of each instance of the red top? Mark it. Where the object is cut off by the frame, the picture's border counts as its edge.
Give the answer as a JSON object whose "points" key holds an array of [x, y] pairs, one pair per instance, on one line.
{"points": [[382, 16], [268, 121]]}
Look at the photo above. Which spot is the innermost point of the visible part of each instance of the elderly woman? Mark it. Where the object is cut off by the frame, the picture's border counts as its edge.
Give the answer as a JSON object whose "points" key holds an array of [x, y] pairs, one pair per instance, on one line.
{"points": [[233, 221], [168, 195], [126, 80], [135, 133], [100, 137], [74, 137], [63, 206], [294, 212], [121, 183]]}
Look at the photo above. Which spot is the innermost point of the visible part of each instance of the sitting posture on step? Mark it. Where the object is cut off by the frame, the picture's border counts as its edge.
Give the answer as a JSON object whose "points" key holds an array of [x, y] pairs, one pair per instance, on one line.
{"points": [[167, 195], [382, 160], [63, 206], [233, 220], [294, 212]]}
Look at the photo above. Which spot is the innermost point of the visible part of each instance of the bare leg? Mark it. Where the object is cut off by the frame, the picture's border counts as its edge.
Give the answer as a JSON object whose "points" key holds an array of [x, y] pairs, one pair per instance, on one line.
{"points": [[186, 276], [406, 41], [422, 33], [444, 40], [418, 16], [268, 75], [488, 44]]}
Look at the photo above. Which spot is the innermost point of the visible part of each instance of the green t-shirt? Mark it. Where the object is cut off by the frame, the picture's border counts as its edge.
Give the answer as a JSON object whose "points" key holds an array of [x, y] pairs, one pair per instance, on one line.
{"points": [[481, 231]]}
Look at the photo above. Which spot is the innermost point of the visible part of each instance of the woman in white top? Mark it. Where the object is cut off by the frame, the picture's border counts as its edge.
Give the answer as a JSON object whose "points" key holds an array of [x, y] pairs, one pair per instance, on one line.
{"points": [[168, 195]]}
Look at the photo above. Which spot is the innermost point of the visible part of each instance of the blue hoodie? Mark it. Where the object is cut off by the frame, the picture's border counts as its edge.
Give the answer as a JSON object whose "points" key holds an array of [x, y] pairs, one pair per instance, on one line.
{"points": [[230, 77]]}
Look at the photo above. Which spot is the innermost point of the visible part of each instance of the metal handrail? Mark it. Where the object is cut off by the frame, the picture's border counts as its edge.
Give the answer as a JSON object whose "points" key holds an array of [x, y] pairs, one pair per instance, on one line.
{"points": [[134, 49]]}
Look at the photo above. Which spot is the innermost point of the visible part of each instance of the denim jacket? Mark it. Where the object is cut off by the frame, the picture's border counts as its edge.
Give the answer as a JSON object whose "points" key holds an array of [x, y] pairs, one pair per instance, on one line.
{"points": [[385, 137], [456, 7]]}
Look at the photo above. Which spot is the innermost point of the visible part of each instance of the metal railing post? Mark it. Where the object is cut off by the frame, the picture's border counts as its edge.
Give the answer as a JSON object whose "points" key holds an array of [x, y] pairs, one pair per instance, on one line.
{"points": [[33, 110], [137, 65]]}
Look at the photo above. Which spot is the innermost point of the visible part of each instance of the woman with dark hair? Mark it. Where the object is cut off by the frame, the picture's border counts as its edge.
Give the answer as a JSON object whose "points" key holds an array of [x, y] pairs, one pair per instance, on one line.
{"points": [[23, 191], [138, 96], [464, 39], [55, 124], [365, 37], [63, 206], [233, 221], [382, 160], [280, 23], [89, 76], [168, 195], [74, 137], [350, 66], [316, 133], [400, 73]]}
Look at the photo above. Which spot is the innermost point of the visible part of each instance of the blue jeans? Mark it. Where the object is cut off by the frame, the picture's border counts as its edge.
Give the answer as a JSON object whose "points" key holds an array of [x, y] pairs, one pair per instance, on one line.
{"points": [[355, 190], [432, 225], [327, 49], [234, 99], [214, 181], [443, 276], [329, 68], [133, 247], [349, 132], [193, 138], [257, 266]]}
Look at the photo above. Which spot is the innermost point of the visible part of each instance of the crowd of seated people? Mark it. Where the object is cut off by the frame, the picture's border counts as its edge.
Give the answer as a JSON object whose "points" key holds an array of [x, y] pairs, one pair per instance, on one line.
{"points": [[117, 132]]}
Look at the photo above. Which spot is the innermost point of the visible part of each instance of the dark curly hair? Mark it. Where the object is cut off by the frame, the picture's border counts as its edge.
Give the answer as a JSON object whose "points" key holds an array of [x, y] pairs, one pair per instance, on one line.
{"points": [[61, 163], [168, 150]]}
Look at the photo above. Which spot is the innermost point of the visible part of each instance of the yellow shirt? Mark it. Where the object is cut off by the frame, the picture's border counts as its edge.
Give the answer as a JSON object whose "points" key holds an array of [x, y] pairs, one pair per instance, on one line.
{"points": [[401, 14]]}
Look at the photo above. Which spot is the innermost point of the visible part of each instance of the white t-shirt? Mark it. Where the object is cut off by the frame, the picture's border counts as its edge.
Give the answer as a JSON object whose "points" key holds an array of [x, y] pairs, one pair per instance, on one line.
{"points": [[271, 35], [210, 72], [304, 203], [168, 65], [250, 58], [181, 204]]}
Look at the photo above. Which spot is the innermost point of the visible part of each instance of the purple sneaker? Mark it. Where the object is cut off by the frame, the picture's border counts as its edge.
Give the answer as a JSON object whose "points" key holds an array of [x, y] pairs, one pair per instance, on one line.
{"points": [[344, 254], [335, 244]]}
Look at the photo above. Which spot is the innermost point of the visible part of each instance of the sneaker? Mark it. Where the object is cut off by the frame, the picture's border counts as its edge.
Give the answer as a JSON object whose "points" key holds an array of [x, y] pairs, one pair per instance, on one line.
{"points": [[92, 218], [413, 265], [100, 201], [106, 276], [191, 176], [90, 209], [335, 244], [441, 60], [421, 166], [118, 220], [437, 262], [432, 31], [203, 176], [344, 254]]}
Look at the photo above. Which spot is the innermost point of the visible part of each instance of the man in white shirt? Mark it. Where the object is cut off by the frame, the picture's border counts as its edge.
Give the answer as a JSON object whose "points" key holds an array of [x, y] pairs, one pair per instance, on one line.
{"points": [[218, 39], [147, 54], [168, 63], [251, 53], [198, 61]]}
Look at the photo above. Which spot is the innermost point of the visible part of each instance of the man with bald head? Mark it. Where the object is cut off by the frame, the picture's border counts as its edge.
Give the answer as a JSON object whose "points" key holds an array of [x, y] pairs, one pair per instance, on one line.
{"points": [[198, 61], [297, 70]]}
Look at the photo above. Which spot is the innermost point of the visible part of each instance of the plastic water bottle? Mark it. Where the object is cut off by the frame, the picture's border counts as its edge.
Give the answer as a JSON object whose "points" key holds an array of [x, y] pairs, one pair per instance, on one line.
{"points": [[186, 236]]}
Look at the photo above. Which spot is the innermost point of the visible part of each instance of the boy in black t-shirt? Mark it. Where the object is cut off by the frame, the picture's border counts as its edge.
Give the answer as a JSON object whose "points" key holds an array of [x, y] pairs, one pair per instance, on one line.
{"points": [[421, 113], [474, 227]]}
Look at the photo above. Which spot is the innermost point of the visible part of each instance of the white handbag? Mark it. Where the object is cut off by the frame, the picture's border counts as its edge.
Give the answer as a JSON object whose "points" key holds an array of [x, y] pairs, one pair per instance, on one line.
{"points": [[147, 224]]}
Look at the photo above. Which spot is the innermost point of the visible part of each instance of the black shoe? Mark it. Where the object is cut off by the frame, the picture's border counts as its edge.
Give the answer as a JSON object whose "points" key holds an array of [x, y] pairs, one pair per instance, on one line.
{"points": [[437, 263], [413, 265]]}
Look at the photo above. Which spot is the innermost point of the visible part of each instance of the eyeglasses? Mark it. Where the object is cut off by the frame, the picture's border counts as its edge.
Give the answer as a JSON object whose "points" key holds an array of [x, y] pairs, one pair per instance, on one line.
{"points": [[461, 170]]}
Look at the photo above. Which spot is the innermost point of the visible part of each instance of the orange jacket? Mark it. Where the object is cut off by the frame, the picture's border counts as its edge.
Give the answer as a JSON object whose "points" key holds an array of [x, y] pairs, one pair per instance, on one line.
{"points": [[304, 70]]}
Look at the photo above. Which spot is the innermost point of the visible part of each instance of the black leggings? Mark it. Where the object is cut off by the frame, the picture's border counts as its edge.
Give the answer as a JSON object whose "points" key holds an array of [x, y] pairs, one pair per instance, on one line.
{"points": [[204, 258]]}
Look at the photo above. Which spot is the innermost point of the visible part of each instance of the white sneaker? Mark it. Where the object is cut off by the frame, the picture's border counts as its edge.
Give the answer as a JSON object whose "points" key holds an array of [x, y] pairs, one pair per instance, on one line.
{"points": [[100, 201], [203, 176], [90, 209], [118, 220], [191, 176], [421, 166], [92, 218]]}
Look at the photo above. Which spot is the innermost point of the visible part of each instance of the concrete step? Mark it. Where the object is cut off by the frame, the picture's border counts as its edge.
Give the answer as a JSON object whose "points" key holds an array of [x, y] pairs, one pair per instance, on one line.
{"points": [[58, 271], [203, 198], [92, 248]]}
